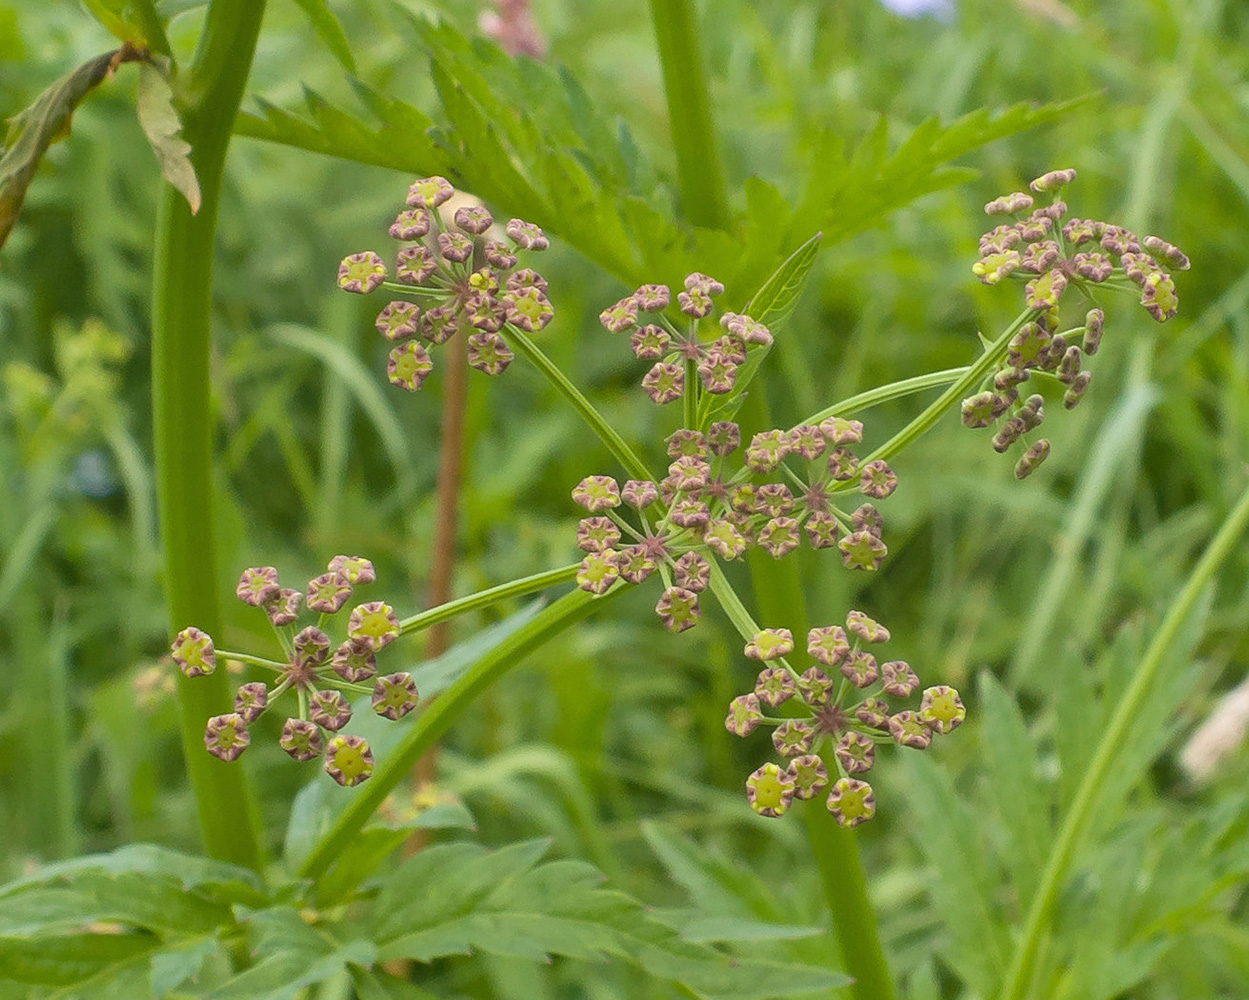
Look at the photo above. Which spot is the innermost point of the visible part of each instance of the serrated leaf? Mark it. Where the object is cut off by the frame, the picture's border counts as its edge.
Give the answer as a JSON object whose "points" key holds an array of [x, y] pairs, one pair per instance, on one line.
{"points": [[1022, 804], [219, 879], [457, 898], [34, 129], [138, 900], [705, 930], [163, 129], [329, 30], [291, 955], [174, 964], [964, 880]]}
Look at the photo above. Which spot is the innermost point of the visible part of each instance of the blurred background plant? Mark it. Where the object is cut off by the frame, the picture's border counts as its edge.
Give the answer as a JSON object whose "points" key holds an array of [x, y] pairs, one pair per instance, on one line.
{"points": [[1036, 599]]}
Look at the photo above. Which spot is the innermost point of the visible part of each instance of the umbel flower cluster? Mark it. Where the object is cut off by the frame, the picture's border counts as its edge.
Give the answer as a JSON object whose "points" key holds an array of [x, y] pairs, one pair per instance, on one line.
{"points": [[465, 277], [1054, 258], [321, 675], [721, 495], [838, 712]]}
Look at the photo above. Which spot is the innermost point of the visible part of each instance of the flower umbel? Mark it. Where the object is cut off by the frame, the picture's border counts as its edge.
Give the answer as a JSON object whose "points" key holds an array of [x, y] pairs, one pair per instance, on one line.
{"points": [[323, 682], [830, 731], [452, 276]]}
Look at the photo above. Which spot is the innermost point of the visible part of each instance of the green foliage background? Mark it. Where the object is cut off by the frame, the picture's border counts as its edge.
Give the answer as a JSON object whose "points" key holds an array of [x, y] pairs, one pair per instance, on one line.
{"points": [[1036, 599]]}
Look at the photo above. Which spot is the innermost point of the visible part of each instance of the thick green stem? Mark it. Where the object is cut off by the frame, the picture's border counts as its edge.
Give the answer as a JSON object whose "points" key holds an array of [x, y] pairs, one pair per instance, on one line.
{"points": [[523, 345], [779, 595], [693, 131], [439, 716], [182, 427], [1109, 748]]}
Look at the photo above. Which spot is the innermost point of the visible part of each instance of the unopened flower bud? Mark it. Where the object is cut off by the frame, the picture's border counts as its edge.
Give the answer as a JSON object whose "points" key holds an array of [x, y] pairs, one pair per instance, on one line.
{"points": [[311, 647], [815, 686], [258, 586], [597, 493], [678, 609], [526, 235], [650, 342], [361, 272], [664, 383], [652, 298], [809, 775], [594, 534], [877, 480], [867, 629], [408, 365], [773, 500], [899, 679], [862, 550], [770, 644], [977, 410], [329, 710], [639, 493], [1033, 457], [851, 802], [499, 255], [488, 353], [354, 661], [843, 464], [856, 753], [284, 609], [769, 790], [744, 715], [692, 572], [301, 739], [941, 709], [909, 730], [394, 696], [634, 564], [1044, 292], [414, 265], [828, 644], [429, 192], [766, 451], [226, 736], [621, 317], [822, 530], [374, 622], [874, 713], [348, 759], [1053, 180], [327, 593], [473, 219], [774, 685], [411, 224], [860, 668], [1161, 250], [250, 700], [779, 536], [194, 653], [1075, 392], [598, 571], [724, 539], [1009, 204], [793, 738]]}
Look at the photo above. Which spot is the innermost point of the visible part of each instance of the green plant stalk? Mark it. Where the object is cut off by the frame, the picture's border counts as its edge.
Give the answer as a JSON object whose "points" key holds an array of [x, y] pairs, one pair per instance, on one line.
{"points": [[181, 412], [485, 598], [836, 850], [520, 342], [692, 128], [1075, 822], [987, 361], [884, 393], [441, 714]]}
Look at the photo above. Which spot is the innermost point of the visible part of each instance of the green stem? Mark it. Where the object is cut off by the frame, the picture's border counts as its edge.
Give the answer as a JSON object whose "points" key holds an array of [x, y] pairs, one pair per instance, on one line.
{"points": [[884, 393], [521, 344], [1082, 809], [485, 598], [989, 360], [778, 592], [438, 718], [692, 128], [182, 428]]}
